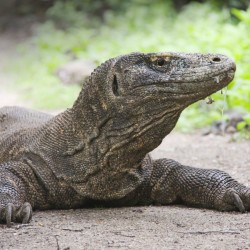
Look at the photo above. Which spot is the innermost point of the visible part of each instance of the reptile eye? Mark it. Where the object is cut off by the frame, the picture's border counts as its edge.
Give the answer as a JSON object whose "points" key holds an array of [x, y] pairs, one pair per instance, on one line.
{"points": [[115, 86], [161, 62]]}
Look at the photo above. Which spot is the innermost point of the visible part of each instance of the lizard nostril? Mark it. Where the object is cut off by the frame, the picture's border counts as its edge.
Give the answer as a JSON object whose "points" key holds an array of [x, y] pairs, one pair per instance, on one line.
{"points": [[216, 59]]}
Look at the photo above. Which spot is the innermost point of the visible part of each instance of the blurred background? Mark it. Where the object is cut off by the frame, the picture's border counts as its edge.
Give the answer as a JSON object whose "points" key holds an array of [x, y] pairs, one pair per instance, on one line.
{"points": [[49, 47]]}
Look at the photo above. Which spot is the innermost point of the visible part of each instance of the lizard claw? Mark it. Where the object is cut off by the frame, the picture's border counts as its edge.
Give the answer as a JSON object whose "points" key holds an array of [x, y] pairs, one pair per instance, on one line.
{"points": [[238, 202], [12, 213], [9, 213], [232, 197], [233, 200], [24, 213]]}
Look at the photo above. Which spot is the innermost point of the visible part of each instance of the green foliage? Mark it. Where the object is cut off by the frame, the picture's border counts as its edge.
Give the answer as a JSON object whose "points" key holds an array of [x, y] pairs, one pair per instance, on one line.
{"points": [[244, 128], [37, 82], [142, 26], [243, 16]]}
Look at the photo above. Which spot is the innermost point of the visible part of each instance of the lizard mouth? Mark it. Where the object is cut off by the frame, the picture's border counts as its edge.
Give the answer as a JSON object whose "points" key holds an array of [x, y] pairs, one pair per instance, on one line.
{"points": [[213, 83], [189, 85], [197, 77], [222, 80], [217, 81], [190, 92]]}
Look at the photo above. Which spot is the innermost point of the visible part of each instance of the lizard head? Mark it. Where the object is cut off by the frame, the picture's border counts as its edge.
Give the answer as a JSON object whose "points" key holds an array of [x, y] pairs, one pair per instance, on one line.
{"points": [[147, 85], [140, 83], [131, 102], [170, 78]]}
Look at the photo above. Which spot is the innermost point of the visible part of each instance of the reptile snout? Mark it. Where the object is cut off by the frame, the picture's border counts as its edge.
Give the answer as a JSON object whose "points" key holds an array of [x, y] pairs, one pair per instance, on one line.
{"points": [[233, 66], [218, 59]]}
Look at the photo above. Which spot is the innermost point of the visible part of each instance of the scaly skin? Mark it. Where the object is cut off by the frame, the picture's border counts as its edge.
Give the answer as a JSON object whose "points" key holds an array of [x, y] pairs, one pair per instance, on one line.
{"points": [[97, 151]]}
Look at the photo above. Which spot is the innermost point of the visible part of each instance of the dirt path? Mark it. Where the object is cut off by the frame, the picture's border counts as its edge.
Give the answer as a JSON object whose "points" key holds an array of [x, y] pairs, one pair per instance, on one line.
{"points": [[171, 227]]}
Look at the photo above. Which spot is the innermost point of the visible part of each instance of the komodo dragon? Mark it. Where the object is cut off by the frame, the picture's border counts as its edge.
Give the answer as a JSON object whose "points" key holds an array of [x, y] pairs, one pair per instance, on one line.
{"points": [[96, 153]]}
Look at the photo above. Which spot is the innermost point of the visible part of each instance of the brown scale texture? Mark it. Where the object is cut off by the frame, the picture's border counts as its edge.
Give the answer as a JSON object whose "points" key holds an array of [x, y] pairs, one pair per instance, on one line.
{"points": [[96, 153]]}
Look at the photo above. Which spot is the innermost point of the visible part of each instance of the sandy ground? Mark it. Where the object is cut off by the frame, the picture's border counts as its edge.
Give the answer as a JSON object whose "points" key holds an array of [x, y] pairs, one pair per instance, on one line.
{"points": [[153, 227], [159, 227]]}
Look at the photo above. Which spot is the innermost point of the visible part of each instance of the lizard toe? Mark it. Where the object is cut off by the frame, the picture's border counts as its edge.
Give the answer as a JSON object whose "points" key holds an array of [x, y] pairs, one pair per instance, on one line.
{"points": [[24, 213], [11, 213], [237, 201], [232, 201]]}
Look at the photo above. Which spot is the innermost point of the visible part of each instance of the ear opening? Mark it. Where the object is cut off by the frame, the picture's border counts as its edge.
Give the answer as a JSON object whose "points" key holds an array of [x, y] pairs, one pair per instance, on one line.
{"points": [[115, 86]]}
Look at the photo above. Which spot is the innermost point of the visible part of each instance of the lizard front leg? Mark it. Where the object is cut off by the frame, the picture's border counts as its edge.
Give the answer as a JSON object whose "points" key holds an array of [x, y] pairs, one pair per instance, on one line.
{"points": [[172, 182], [13, 199]]}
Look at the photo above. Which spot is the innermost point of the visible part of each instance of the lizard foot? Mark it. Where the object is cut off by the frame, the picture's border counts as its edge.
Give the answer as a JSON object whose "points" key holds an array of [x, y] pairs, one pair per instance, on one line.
{"points": [[233, 199], [11, 213]]}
